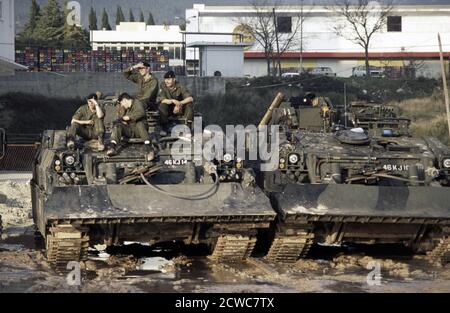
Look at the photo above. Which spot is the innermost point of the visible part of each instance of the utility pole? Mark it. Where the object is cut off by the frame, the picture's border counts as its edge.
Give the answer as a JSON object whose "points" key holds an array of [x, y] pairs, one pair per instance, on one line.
{"points": [[345, 105], [278, 43], [444, 82], [301, 38]]}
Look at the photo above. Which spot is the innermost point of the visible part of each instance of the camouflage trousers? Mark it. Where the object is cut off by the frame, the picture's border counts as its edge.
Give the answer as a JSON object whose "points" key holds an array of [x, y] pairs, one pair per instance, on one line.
{"points": [[87, 132], [134, 130], [166, 111]]}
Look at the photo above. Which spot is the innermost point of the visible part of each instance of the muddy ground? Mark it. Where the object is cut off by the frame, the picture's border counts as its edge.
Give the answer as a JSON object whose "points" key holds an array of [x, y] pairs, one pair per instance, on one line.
{"points": [[173, 268]]}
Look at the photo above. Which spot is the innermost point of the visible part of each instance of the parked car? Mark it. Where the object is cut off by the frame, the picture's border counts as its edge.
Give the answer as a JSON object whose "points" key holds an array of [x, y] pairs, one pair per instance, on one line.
{"points": [[322, 71], [290, 75], [360, 71]]}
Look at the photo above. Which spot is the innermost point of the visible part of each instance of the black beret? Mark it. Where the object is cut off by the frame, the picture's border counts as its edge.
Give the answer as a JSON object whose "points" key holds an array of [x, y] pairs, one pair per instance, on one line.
{"points": [[170, 74]]}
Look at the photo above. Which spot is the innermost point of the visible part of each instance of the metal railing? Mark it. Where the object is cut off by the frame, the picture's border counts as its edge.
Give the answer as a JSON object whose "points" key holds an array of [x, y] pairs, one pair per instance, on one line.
{"points": [[17, 151]]}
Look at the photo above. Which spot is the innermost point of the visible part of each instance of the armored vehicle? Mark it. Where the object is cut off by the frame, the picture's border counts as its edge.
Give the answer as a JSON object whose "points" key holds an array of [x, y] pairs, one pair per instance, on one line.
{"points": [[82, 198], [376, 118], [335, 186]]}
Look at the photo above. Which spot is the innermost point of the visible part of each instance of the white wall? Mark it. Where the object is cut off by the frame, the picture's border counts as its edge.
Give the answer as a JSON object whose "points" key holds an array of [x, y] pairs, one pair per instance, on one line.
{"points": [[136, 34], [420, 24], [255, 67], [419, 29], [7, 30], [228, 60]]}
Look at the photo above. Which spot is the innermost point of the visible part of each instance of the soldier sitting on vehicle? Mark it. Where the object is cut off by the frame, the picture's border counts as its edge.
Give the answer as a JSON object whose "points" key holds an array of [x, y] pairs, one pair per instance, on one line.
{"points": [[147, 84], [131, 123], [87, 123], [174, 99]]}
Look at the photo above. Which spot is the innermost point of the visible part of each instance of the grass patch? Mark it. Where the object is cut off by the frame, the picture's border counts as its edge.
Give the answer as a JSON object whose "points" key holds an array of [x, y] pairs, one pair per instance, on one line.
{"points": [[428, 116]]}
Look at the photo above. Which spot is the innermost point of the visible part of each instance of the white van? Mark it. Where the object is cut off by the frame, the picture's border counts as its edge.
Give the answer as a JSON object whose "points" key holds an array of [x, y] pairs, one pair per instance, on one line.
{"points": [[360, 71], [322, 71], [290, 75]]}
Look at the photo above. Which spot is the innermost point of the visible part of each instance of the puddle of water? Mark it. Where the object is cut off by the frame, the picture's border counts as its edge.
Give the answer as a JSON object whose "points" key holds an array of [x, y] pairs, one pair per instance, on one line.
{"points": [[11, 247], [346, 287], [153, 264], [26, 241]]}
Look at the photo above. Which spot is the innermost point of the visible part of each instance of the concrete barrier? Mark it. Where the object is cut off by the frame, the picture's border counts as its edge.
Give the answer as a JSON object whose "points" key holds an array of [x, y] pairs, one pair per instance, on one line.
{"points": [[72, 85]]}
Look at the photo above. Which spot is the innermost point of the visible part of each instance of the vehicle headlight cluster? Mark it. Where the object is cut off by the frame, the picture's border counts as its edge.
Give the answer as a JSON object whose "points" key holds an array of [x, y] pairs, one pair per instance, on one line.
{"points": [[69, 160], [446, 163], [239, 163], [282, 163], [57, 165], [293, 158], [227, 158]]}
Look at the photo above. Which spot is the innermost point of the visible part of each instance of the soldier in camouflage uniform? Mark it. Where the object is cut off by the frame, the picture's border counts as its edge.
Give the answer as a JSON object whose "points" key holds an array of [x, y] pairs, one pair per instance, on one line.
{"points": [[147, 84], [174, 99], [131, 123], [87, 123]]}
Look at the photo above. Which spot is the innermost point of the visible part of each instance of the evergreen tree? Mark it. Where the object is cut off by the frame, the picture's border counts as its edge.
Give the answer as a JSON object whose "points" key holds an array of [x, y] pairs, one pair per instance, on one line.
{"points": [[50, 24], [28, 32], [105, 20], [74, 35], [93, 20], [119, 15], [150, 20], [131, 16], [142, 18]]}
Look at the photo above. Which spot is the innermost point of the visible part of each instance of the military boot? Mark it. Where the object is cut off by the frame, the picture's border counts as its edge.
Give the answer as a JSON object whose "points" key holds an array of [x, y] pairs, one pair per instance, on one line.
{"points": [[101, 145], [112, 150], [150, 151]]}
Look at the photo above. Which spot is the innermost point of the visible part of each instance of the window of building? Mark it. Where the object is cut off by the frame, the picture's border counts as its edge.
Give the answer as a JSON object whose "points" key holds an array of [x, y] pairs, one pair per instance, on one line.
{"points": [[394, 23], [178, 53], [171, 53], [284, 24], [1, 10]]}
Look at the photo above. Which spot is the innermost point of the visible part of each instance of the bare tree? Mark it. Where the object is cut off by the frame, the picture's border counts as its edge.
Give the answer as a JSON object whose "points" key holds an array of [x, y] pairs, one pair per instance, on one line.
{"points": [[289, 40], [360, 20], [262, 24]]}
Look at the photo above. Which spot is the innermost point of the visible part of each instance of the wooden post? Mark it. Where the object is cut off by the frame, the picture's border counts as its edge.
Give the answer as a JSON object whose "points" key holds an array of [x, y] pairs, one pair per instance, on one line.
{"points": [[275, 104], [444, 82]]}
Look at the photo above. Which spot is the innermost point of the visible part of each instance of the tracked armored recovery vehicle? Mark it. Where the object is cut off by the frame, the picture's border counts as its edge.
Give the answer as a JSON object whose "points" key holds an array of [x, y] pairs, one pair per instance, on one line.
{"points": [[82, 198], [335, 185]]}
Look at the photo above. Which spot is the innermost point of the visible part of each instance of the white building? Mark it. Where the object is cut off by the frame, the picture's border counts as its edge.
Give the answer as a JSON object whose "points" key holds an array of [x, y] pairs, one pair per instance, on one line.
{"points": [[411, 35], [225, 59], [7, 38], [7, 29], [140, 35]]}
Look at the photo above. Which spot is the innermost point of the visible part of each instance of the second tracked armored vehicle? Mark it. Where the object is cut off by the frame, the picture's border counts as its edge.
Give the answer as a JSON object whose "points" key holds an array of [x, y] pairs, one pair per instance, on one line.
{"points": [[376, 118], [335, 185], [82, 198]]}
